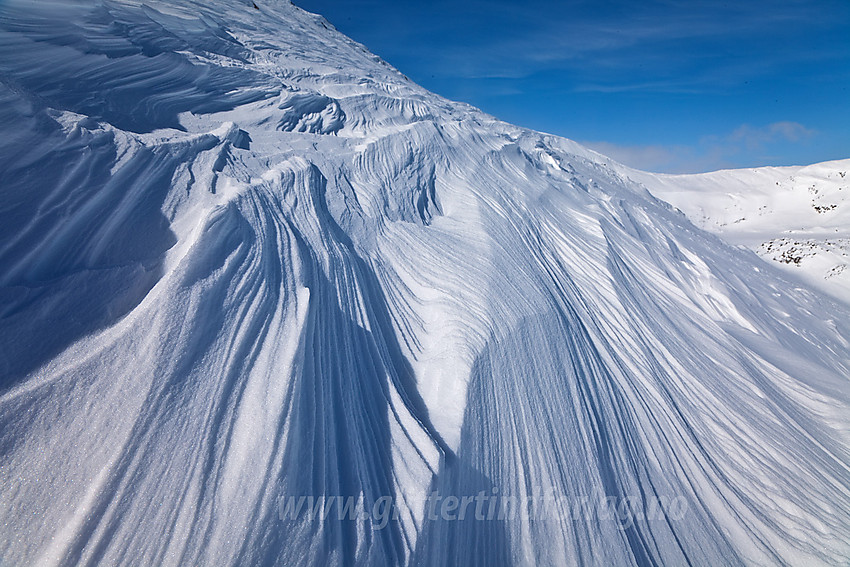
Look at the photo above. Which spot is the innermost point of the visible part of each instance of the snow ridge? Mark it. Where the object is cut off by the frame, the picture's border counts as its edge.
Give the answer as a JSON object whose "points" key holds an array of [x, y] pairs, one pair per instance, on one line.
{"points": [[244, 260], [797, 217]]}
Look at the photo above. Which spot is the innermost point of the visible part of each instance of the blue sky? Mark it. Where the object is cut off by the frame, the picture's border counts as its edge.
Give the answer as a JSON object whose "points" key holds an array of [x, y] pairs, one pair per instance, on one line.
{"points": [[666, 85]]}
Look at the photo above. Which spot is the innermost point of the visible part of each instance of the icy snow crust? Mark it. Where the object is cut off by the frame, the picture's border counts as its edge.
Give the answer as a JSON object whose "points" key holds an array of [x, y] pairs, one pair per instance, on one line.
{"points": [[243, 259]]}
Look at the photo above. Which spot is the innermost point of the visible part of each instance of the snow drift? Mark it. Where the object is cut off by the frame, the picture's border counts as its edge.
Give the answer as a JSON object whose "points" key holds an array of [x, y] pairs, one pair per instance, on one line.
{"points": [[244, 260]]}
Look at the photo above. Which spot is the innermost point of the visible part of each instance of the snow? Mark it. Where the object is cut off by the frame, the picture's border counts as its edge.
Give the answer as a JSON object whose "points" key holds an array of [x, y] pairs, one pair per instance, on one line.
{"points": [[243, 260], [797, 217]]}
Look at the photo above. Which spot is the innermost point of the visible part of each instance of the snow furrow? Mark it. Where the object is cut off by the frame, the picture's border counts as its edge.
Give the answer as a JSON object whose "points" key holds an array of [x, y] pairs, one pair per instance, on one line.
{"points": [[246, 264]]}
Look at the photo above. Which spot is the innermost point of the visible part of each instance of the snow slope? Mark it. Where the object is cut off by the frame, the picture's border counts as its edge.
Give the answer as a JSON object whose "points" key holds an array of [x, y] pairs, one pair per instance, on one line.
{"points": [[243, 259], [798, 217]]}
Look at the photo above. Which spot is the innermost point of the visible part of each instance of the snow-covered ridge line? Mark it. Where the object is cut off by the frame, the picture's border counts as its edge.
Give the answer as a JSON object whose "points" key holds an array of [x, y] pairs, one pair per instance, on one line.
{"points": [[798, 217], [243, 260]]}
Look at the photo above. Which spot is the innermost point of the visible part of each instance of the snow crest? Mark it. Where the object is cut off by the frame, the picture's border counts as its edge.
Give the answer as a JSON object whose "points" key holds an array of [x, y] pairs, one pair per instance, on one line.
{"points": [[245, 263]]}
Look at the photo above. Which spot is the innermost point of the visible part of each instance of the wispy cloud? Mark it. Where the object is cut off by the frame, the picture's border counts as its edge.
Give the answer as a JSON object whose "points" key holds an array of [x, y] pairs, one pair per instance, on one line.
{"points": [[673, 46], [755, 138], [659, 70], [659, 158], [670, 86], [746, 146]]}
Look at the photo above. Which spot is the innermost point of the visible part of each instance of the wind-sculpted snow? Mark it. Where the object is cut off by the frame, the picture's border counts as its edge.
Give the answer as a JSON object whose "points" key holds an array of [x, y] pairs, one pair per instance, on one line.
{"points": [[312, 113], [246, 264]]}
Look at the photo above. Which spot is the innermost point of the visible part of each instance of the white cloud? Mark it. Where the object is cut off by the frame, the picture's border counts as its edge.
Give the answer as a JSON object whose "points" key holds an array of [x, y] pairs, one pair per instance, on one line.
{"points": [[746, 146], [755, 138], [649, 158]]}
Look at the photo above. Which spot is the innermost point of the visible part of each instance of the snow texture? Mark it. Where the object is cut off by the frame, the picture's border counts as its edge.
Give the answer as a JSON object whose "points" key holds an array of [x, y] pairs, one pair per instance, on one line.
{"points": [[243, 259]]}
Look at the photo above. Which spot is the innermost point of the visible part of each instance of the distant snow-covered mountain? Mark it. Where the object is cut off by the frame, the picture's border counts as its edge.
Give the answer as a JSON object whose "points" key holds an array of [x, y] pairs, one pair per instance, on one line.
{"points": [[798, 217], [264, 301]]}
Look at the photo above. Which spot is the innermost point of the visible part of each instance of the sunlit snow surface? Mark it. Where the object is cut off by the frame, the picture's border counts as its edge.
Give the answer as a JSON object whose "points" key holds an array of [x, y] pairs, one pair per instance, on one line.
{"points": [[797, 217], [243, 259]]}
